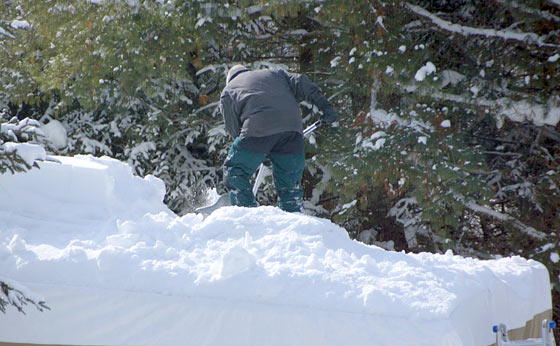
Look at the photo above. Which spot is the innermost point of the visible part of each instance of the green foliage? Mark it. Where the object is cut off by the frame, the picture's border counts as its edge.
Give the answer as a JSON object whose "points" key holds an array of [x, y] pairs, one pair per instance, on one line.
{"points": [[121, 78]]}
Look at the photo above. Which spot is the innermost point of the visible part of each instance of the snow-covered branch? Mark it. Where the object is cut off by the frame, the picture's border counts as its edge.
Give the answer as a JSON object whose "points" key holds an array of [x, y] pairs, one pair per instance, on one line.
{"points": [[530, 231], [5, 33], [16, 25], [467, 31], [13, 293], [518, 111]]}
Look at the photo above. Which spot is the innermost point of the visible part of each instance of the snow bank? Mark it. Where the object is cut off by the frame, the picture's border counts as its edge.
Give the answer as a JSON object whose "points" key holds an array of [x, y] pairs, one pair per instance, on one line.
{"points": [[117, 267]]}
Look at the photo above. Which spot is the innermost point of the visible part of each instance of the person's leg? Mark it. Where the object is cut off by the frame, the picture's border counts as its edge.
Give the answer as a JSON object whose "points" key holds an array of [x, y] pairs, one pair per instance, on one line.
{"points": [[288, 171], [288, 163], [239, 167]]}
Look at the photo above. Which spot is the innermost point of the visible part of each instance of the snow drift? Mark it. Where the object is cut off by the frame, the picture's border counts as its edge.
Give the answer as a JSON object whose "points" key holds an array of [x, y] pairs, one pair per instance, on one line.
{"points": [[117, 267]]}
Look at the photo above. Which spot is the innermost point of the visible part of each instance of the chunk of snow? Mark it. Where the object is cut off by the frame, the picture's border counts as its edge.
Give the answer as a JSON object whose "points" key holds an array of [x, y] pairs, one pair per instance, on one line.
{"points": [[452, 78], [554, 58], [425, 71], [377, 137], [335, 61], [474, 90], [299, 32], [254, 9], [379, 21], [349, 205], [20, 24], [445, 124], [56, 134], [202, 21], [236, 261]]}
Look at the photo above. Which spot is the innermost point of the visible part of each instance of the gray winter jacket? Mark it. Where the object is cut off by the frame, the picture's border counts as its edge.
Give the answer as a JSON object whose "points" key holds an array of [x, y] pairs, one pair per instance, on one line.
{"points": [[266, 102]]}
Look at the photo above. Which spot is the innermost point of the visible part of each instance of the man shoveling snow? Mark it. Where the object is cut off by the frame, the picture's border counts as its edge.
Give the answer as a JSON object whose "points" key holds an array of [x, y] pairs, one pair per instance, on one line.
{"points": [[261, 111]]}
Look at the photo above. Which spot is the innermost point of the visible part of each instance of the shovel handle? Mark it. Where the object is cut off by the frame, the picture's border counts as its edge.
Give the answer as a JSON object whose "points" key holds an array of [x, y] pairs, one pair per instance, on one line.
{"points": [[313, 127]]}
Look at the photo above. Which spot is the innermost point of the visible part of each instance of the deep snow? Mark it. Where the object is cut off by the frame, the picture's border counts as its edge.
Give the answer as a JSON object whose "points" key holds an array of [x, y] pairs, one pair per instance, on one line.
{"points": [[117, 267]]}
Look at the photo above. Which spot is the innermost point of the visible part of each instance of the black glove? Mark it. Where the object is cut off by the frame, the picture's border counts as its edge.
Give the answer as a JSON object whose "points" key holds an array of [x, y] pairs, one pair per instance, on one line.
{"points": [[329, 115]]}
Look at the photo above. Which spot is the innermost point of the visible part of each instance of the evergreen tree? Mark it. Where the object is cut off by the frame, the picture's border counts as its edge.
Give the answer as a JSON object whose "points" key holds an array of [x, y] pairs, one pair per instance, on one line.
{"points": [[120, 77], [451, 140]]}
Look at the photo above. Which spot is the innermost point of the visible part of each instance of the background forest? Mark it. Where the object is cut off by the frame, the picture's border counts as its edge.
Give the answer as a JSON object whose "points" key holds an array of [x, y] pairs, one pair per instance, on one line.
{"points": [[448, 138]]}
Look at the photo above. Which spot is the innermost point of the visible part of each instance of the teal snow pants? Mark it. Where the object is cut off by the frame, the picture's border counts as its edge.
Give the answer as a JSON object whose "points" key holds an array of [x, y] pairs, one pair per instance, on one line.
{"points": [[286, 153]]}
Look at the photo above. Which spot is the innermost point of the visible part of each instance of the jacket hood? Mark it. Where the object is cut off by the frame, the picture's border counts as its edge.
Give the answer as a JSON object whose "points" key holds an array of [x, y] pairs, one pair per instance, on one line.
{"points": [[234, 71]]}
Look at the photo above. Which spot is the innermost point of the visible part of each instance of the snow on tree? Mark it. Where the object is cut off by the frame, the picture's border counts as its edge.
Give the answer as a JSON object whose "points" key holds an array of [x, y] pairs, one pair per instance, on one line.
{"points": [[21, 145], [18, 296]]}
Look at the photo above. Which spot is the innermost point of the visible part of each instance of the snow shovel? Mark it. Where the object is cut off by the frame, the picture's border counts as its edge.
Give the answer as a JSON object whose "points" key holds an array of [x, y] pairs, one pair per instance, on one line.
{"points": [[223, 200]]}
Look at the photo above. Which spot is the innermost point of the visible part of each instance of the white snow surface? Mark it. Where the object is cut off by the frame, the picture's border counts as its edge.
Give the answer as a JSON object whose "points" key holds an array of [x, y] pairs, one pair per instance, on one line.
{"points": [[117, 267]]}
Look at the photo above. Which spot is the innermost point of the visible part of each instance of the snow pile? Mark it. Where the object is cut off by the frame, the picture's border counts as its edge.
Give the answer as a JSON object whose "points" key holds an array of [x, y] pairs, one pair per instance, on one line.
{"points": [[117, 267], [55, 132], [425, 71]]}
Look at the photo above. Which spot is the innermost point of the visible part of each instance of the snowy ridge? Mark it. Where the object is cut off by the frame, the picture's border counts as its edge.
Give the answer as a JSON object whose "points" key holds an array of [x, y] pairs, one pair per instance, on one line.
{"points": [[86, 234]]}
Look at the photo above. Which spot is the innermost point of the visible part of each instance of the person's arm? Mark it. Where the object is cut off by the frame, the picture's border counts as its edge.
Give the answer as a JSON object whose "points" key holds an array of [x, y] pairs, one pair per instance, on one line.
{"points": [[304, 90], [231, 120]]}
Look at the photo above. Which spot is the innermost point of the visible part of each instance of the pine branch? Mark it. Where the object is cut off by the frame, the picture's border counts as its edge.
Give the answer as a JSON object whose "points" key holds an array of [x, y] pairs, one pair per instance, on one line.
{"points": [[18, 296], [4, 32], [530, 231]]}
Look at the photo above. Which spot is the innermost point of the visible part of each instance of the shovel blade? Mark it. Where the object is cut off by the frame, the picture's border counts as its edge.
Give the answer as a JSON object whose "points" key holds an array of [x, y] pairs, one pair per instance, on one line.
{"points": [[222, 201]]}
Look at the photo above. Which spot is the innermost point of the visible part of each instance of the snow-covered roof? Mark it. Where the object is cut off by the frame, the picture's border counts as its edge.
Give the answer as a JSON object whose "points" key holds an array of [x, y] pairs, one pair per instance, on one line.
{"points": [[117, 267]]}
